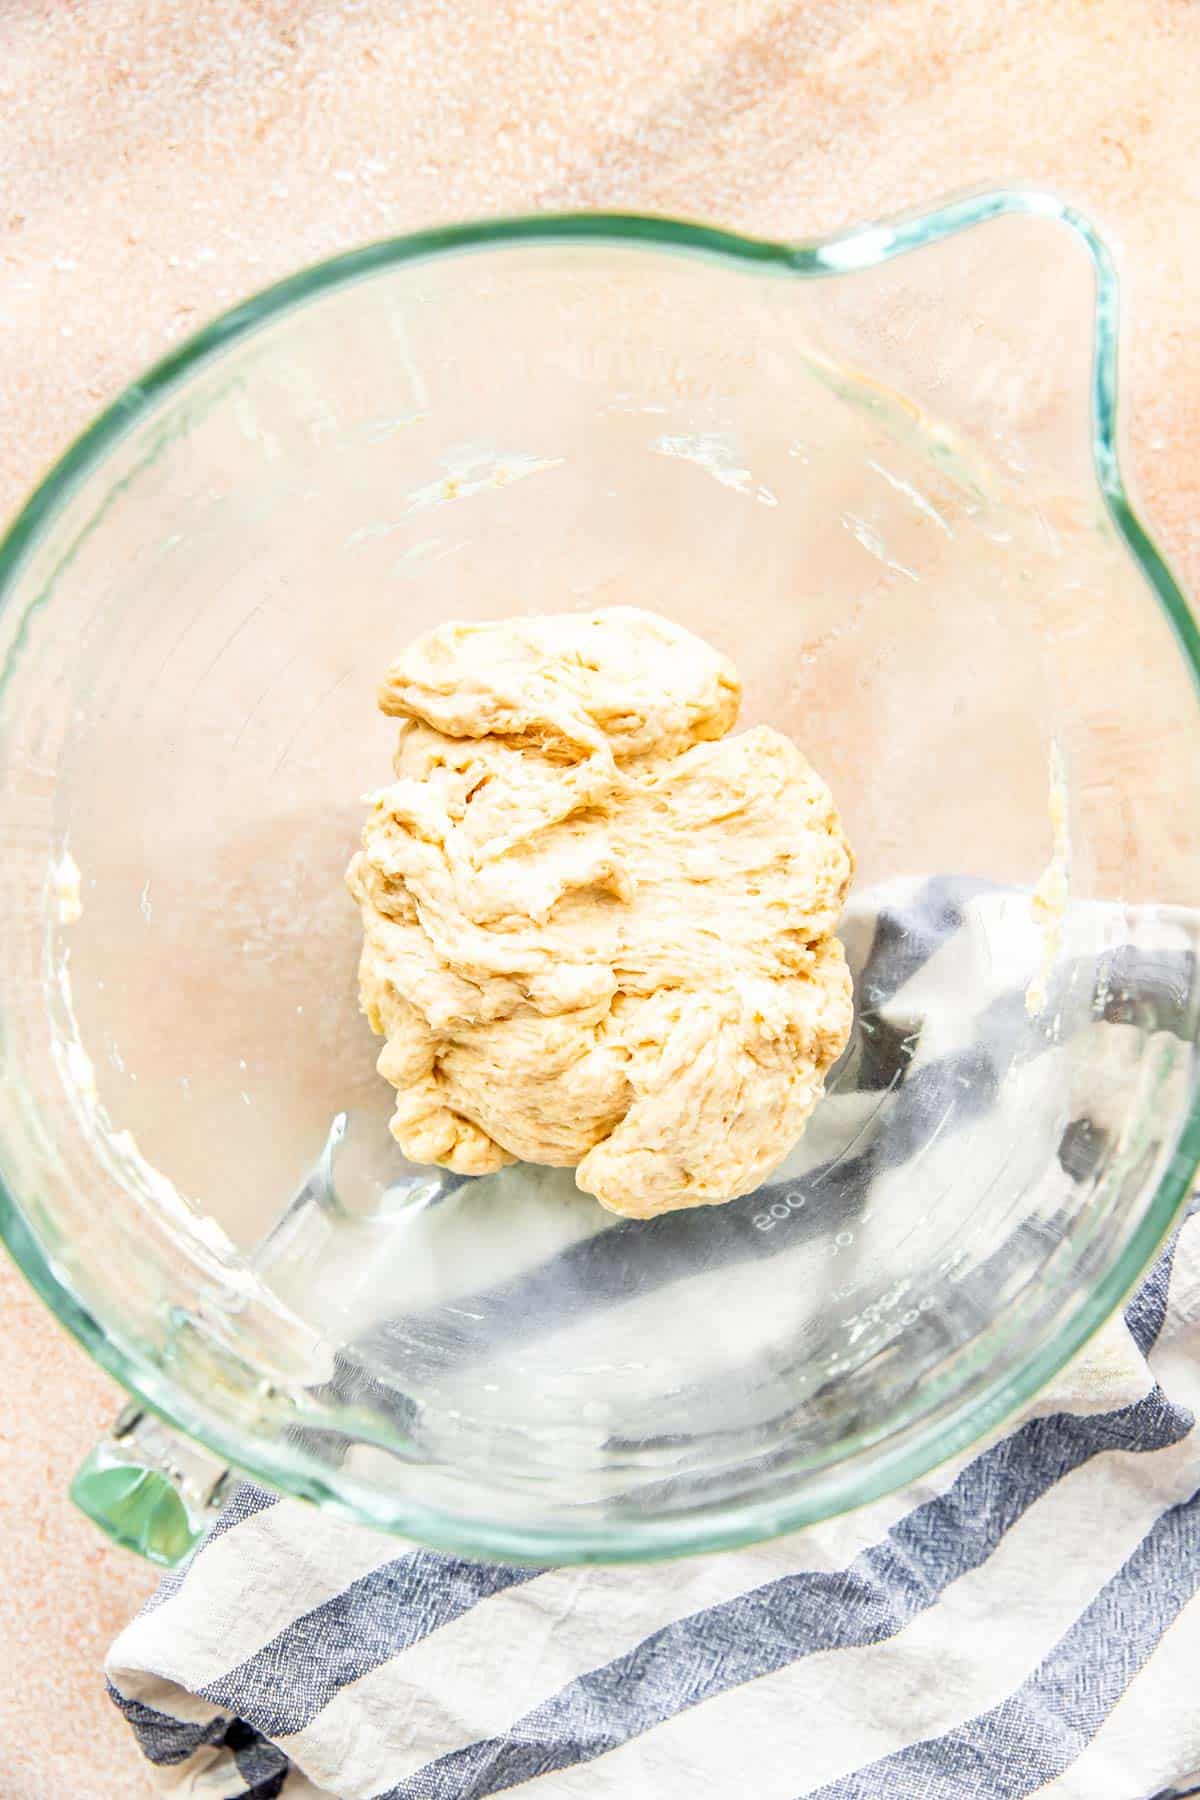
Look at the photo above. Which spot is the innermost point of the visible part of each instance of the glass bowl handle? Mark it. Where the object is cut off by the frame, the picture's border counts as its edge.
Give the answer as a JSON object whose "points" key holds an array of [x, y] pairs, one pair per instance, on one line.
{"points": [[149, 1490]]}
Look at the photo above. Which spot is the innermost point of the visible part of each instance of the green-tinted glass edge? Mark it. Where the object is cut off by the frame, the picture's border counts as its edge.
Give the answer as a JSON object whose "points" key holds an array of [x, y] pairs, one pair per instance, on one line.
{"points": [[863, 247]]}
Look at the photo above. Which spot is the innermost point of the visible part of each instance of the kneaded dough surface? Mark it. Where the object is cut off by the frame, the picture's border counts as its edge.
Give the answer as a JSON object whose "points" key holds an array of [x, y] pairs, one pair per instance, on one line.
{"points": [[598, 930]]}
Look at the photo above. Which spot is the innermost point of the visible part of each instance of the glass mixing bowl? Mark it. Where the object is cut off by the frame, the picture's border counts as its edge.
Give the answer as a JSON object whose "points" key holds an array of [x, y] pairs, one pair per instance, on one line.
{"points": [[881, 472]]}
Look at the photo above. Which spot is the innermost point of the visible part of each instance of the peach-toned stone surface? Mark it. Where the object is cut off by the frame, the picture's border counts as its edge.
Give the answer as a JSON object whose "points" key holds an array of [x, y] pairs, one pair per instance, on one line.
{"points": [[160, 160]]}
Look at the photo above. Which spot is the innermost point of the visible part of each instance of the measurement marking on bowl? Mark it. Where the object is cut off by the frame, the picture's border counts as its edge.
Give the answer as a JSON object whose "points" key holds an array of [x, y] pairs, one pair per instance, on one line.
{"points": [[306, 721], [932, 1139], [276, 676], [229, 641], [842, 1154]]}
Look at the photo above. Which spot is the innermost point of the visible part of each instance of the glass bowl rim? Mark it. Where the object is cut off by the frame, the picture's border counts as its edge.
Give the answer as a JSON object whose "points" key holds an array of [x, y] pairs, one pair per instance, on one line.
{"points": [[861, 247]]}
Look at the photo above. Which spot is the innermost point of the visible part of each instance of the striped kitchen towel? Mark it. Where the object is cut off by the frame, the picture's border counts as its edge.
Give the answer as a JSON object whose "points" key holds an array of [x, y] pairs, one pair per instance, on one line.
{"points": [[1023, 1620]]}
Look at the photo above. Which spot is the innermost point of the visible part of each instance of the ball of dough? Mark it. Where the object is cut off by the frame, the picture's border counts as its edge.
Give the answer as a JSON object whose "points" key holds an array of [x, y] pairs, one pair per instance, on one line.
{"points": [[597, 930]]}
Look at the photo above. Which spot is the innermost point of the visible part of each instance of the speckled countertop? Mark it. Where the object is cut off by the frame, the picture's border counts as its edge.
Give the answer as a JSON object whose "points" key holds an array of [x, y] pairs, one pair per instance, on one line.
{"points": [[161, 159]]}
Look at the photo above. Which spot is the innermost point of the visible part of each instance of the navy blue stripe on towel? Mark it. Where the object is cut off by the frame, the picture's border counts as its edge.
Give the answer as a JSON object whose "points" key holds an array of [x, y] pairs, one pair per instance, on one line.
{"points": [[164, 1740], [373, 1620], [760, 1632], [1047, 1723]]}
